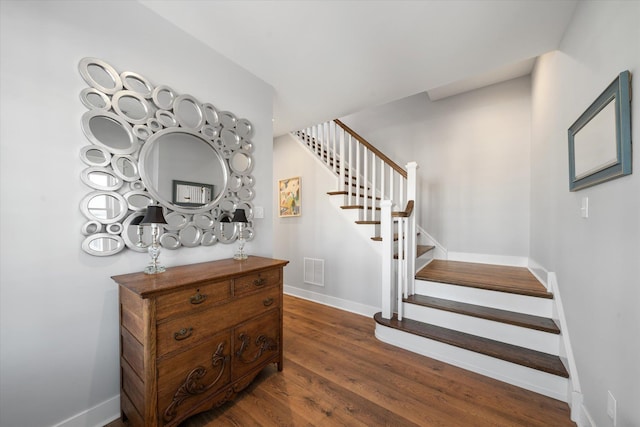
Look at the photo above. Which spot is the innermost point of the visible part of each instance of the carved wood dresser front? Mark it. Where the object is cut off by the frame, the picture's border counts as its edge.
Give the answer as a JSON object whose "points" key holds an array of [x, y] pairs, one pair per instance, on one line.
{"points": [[194, 336]]}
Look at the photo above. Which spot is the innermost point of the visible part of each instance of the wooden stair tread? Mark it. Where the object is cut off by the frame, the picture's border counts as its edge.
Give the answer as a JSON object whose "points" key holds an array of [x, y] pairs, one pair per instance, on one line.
{"points": [[368, 222], [511, 353], [516, 280], [359, 207], [509, 317], [420, 250]]}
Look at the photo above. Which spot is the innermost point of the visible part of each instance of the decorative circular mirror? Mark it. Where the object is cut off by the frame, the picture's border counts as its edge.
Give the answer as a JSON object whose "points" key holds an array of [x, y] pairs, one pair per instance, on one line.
{"points": [[150, 144], [176, 161]]}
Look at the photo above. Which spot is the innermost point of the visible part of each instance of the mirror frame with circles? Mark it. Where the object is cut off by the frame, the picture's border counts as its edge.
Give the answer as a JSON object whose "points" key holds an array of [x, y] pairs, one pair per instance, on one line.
{"points": [[161, 111]]}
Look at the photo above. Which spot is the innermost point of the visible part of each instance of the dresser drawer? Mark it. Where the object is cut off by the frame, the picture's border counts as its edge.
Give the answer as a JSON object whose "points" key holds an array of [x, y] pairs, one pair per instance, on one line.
{"points": [[183, 331], [255, 343], [192, 298], [190, 377], [252, 282]]}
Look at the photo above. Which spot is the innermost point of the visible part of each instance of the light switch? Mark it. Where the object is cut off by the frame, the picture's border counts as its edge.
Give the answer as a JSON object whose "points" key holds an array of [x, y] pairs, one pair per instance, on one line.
{"points": [[258, 212], [584, 210]]}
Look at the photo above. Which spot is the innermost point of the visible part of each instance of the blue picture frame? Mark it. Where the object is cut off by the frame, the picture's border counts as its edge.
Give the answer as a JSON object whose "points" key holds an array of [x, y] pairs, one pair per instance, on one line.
{"points": [[595, 154]]}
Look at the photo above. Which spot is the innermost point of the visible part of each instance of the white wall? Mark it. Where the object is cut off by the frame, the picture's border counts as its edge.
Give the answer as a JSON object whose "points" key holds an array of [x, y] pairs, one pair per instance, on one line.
{"points": [[323, 231], [597, 260], [59, 311], [473, 152]]}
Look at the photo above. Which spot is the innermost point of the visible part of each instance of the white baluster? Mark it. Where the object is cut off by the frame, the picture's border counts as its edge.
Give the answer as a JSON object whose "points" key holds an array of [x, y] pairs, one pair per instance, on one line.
{"points": [[386, 232], [365, 204], [343, 160]]}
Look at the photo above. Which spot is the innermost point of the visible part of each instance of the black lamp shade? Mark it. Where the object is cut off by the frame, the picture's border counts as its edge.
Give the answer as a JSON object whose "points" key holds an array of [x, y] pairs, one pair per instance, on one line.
{"points": [[239, 216], [226, 219], [153, 216], [137, 220]]}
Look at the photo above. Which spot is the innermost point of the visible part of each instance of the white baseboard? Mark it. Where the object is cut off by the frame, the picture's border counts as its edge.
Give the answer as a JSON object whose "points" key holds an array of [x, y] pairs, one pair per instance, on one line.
{"points": [[98, 416], [509, 260], [342, 304]]}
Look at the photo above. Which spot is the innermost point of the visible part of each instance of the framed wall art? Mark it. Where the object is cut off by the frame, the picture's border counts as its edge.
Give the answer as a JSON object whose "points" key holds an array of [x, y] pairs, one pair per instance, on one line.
{"points": [[289, 197], [600, 140]]}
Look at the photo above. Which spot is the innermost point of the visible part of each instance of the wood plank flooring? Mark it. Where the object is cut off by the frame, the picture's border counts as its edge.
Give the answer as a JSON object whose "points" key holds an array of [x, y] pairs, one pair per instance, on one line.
{"points": [[336, 373], [517, 280]]}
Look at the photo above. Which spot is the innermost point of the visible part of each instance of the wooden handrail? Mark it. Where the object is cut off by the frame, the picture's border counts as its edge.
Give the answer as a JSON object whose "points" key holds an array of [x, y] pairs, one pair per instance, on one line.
{"points": [[377, 152], [406, 213]]}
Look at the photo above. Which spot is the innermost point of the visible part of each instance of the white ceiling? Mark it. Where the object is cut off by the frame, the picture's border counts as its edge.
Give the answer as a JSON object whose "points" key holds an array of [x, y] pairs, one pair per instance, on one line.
{"points": [[326, 59]]}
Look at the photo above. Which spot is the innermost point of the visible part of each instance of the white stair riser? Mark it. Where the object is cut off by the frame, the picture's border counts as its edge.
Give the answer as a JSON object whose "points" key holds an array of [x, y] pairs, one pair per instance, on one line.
{"points": [[521, 376], [523, 337], [502, 300]]}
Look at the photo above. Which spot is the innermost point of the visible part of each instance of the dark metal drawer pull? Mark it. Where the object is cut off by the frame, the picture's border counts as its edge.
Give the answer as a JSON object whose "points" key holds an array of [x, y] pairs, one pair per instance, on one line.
{"points": [[267, 302], [182, 334], [260, 282], [198, 298]]}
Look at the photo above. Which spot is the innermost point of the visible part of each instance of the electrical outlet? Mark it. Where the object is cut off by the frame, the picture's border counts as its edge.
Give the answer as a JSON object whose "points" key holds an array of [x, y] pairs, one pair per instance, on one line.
{"points": [[611, 407]]}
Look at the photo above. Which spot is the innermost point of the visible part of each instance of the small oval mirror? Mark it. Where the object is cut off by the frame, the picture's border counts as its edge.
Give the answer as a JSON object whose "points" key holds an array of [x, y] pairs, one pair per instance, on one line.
{"points": [[244, 128], [137, 83], [142, 131], [101, 178], [125, 167], [114, 228], [91, 227], [105, 207], [95, 156], [170, 241], [166, 118], [227, 119], [225, 232], [134, 236], [190, 236], [245, 193], [208, 238], [210, 114], [188, 112], [230, 139], [204, 221], [132, 106], [109, 131], [100, 75], [138, 200], [176, 221], [163, 97], [235, 182], [103, 244], [94, 99], [240, 162]]}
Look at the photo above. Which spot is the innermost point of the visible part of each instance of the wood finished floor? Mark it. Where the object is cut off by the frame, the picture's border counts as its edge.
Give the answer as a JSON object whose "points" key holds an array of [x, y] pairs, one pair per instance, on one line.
{"points": [[518, 280], [336, 373]]}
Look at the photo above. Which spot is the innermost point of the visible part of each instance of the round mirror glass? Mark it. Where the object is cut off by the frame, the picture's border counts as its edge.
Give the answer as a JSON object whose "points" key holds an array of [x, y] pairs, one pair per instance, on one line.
{"points": [[163, 97], [95, 156], [188, 112], [109, 131], [136, 237], [125, 167], [244, 128], [103, 244], [136, 83], [94, 99], [172, 158], [203, 220], [132, 106], [104, 206], [240, 162], [176, 221], [210, 113], [190, 236], [170, 241], [101, 178], [138, 200], [227, 119]]}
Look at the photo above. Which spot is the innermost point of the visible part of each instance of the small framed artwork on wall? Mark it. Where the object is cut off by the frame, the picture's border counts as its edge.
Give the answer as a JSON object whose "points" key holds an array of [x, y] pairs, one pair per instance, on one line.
{"points": [[289, 197]]}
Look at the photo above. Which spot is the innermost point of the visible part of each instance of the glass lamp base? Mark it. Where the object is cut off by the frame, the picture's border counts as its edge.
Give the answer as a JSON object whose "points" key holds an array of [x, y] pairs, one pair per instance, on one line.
{"points": [[154, 269], [240, 256]]}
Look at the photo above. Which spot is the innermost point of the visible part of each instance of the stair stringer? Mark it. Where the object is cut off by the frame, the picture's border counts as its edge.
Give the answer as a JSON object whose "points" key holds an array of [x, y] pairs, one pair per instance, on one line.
{"points": [[530, 379]]}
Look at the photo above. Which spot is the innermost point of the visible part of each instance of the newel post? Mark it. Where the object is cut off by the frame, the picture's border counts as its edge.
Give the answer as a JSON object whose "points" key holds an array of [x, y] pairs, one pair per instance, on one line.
{"points": [[386, 232], [412, 194]]}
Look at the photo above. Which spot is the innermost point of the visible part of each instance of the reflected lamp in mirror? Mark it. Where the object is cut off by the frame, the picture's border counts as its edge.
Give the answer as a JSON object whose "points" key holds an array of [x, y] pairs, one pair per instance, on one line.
{"points": [[240, 218], [155, 218], [137, 221]]}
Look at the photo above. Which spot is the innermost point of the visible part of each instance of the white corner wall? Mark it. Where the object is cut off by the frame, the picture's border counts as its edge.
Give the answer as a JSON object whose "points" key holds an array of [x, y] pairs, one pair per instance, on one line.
{"points": [[59, 340], [597, 260], [323, 231], [473, 153]]}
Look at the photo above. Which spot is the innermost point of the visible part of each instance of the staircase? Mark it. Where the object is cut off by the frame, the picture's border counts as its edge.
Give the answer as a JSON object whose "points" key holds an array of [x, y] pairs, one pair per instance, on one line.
{"points": [[493, 320]]}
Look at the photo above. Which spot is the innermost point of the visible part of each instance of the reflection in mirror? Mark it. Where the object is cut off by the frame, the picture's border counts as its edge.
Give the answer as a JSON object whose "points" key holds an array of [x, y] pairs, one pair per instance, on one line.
{"points": [[248, 180], [109, 131], [95, 156], [228, 205], [208, 238], [166, 118], [245, 194], [100, 75], [133, 235], [230, 139], [100, 178], [203, 220], [141, 131], [235, 182], [136, 186], [225, 232], [114, 228], [125, 167], [227, 119], [244, 128], [154, 124], [103, 244], [135, 82], [210, 131], [248, 210], [210, 114], [180, 155], [104, 206], [188, 112]]}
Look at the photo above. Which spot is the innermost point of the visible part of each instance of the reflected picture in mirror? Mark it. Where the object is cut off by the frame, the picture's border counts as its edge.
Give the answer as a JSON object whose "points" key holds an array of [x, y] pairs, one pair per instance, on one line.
{"points": [[144, 139]]}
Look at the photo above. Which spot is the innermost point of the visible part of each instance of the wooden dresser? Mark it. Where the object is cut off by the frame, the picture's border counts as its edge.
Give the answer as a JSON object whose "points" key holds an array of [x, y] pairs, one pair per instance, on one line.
{"points": [[192, 337]]}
